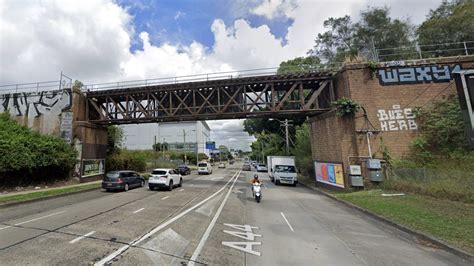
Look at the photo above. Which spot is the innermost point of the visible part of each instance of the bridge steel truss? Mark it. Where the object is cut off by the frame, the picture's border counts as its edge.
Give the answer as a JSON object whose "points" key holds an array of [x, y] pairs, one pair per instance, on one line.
{"points": [[277, 96]]}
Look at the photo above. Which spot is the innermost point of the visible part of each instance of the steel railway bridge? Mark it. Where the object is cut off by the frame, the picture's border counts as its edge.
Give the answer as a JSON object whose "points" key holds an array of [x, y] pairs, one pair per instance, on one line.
{"points": [[209, 98]]}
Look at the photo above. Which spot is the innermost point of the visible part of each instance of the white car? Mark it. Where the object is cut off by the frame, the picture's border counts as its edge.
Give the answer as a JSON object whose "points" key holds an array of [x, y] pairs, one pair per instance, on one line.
{"points": [[261, 168], [204, 168], [221, 165], [164, 178]]}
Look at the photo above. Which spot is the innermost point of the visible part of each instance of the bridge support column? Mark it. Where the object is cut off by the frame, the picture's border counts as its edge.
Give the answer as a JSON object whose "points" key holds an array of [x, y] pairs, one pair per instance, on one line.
{"points": [[90, 141]]}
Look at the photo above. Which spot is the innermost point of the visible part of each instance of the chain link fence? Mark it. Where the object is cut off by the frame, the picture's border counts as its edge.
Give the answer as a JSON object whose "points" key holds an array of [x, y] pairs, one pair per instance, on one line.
{"points": [[440, 183]]}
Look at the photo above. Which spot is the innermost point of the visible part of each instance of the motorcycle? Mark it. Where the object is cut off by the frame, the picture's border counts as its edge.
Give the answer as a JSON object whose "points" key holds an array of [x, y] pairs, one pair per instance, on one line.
{"points": [[257, 191]]}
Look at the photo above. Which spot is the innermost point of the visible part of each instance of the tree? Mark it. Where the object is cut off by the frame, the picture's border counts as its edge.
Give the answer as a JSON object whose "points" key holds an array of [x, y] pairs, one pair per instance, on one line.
{"points": [[451, 22], [114, 139], [377, 30], [337, 43], [299, 65], [302, 149]]}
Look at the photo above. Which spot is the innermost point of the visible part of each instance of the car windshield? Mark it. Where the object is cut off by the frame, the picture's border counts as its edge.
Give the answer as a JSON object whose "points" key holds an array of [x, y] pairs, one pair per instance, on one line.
{"points": [[202, 165], [285, 169], [158, 172], [182, 166], [261, 165]]}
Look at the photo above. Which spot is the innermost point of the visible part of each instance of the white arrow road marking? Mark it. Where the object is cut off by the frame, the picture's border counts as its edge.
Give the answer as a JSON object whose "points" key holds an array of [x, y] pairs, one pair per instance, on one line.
{"points": [[161, 226], [32, 220], [139, 210], [81, 237], [288, 223], [211, 225]]}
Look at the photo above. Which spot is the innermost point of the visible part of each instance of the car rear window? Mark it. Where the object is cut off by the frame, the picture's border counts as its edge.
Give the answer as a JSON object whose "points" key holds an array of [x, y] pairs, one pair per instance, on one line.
{"points": [[262, 165], [112, 176], [158, 172], [202, 165]]}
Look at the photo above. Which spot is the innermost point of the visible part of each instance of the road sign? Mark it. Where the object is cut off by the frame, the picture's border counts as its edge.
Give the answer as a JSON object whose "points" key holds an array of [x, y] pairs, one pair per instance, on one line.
{"points": [[210, 145]]}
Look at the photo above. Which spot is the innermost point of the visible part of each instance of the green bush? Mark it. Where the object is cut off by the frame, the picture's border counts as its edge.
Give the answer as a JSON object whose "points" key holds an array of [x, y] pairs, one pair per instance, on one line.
{"points": [[28, 157], [126, 160]]}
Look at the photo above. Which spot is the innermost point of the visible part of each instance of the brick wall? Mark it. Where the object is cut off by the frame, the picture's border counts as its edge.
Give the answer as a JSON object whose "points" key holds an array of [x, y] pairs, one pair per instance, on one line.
{"points": [[389, 107]]}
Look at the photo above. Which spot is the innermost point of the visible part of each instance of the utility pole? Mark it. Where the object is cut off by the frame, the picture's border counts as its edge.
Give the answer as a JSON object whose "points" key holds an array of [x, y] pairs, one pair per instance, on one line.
{"points": [[184, 145], [287, 140]]}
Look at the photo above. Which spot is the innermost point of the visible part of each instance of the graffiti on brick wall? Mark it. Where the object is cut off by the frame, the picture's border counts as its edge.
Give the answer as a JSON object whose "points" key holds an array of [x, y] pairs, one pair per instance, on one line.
{"points": [[413, 75], [33, 104], [397, 119]]}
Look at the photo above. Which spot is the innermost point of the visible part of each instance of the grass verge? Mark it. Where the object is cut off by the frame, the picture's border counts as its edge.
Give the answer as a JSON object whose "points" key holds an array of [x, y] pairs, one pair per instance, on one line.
{"points": [[45, 194], [451, 221]]}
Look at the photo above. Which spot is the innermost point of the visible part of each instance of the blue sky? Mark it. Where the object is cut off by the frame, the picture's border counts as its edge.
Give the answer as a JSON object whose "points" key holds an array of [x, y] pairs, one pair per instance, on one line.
{"points": [[182, 22]]}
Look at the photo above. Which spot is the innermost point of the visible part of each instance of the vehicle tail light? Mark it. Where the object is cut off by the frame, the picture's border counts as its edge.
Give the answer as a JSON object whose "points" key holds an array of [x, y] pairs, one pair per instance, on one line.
{"points": [[164, 176], [120, 180]]}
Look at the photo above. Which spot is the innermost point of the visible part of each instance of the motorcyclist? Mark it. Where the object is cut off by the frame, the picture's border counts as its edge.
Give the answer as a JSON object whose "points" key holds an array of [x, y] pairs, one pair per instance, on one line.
{"points": [[253, 181]]}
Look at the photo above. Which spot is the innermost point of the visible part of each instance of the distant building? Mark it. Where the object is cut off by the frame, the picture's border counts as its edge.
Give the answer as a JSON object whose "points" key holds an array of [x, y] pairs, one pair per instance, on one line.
{"points": [[143, 136]]}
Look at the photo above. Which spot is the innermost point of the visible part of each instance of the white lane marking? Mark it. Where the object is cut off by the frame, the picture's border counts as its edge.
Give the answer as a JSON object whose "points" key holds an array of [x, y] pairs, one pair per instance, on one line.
{"points": [[165, 198], [32, 220], [181, 189], [211, 225], [139, 210], [243, 246], [288, 223], [160, 227], [192, 185], [81, 237]]}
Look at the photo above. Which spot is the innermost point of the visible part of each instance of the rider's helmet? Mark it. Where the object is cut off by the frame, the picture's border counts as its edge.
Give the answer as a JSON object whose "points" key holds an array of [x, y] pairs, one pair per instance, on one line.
{"points": [[255, 176]]}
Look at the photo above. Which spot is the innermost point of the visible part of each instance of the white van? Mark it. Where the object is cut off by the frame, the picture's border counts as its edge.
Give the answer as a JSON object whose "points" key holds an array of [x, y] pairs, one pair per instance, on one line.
{"points": [[204, 168]]}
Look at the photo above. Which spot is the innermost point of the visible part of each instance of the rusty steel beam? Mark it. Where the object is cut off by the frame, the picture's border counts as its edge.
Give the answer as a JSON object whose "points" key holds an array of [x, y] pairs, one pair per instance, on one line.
{"points": [[268, 96]]}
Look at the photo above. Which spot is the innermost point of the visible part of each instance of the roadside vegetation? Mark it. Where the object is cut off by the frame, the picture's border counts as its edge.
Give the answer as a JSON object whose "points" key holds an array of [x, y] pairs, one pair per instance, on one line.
{"points": [[5, 199], [440, 164], [448, 220], [28, 157]]}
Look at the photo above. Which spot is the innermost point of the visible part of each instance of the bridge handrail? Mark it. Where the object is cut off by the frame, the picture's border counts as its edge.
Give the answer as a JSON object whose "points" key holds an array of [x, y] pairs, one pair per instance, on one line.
{"points": [[181, 79], [29, 87]]}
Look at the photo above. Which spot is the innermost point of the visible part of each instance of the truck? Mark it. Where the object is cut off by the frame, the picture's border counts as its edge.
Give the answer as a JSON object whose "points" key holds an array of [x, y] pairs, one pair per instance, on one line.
{"points": [[282, 170]]}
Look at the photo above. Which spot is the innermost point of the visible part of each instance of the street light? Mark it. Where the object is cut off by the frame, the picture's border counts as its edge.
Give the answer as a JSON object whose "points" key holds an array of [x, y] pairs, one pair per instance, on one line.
{"points": [[285, 124], [184, 144]]}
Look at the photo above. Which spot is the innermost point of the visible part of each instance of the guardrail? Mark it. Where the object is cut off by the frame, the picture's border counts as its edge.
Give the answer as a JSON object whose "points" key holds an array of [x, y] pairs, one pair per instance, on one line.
{"points": [[181, 79]]}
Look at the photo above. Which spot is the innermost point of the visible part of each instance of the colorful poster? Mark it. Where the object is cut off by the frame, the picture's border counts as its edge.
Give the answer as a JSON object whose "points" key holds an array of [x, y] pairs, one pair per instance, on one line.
{"points": [[329, 173], [324, 169], [339, 174], [332, 177]]}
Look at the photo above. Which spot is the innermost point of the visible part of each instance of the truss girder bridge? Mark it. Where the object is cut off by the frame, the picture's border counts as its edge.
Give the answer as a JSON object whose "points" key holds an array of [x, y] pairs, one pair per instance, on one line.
{"points": [[275, 96]]}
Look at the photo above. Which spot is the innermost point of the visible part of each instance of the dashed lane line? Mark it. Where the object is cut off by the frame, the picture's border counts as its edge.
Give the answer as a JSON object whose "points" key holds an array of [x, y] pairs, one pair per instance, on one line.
{"points": [[81, 237], [288, 223], [139, 210], [32, 220], [165, 198]]}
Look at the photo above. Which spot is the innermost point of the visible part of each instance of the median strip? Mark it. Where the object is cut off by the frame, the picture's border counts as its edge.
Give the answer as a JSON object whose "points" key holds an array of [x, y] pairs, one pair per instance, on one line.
{"points": [[37, 195]]}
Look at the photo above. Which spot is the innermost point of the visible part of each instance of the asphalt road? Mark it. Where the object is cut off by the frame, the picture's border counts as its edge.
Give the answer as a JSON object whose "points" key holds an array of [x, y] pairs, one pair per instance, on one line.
{"points": [[212, 220]]}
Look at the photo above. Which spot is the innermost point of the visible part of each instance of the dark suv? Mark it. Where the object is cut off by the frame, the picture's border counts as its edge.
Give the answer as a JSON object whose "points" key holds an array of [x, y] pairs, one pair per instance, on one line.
{"points": [[122, 180], [183, 170]]}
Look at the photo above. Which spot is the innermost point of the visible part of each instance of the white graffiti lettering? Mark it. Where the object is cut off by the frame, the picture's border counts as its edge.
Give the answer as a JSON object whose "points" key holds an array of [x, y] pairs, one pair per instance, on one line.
{"points": [[411, 75], [397, 119]]}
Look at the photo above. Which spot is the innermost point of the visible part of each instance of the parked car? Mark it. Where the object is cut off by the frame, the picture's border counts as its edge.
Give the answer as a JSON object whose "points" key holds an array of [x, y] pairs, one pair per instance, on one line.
{"points": [[204, 168], [231, 162], [261, 167], [183, 170], [221, 165], [164, 178], [246, 167], [122, 180]]}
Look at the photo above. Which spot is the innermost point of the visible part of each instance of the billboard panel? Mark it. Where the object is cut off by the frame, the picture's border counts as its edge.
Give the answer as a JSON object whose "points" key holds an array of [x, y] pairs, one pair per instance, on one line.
{"points": [[329, 173]]}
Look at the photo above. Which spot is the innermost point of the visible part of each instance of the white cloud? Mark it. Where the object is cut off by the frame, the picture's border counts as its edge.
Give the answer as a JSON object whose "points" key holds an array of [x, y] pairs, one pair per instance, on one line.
{"points": [[179, 15], [230, 134], [274, 8], [90, 41]]}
